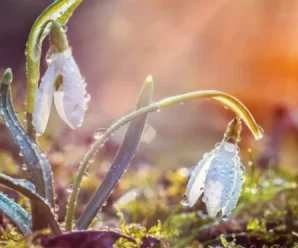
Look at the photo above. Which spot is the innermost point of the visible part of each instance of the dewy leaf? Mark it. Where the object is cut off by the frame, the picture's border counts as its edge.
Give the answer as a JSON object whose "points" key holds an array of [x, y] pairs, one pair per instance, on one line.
{"points": [[19, 216], [27, 189], [122, 159], [38, 167], [60, 11]]}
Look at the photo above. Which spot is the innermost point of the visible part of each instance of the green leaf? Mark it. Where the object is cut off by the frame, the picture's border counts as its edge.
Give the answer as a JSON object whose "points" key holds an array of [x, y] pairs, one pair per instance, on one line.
{"points": [[223, 240], [38, 167], [27, 189], [122, 159], [19, 216]]}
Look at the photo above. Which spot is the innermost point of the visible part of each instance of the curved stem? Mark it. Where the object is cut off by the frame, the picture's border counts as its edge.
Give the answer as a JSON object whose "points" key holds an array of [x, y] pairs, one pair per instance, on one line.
{"points": [[227, 100]]}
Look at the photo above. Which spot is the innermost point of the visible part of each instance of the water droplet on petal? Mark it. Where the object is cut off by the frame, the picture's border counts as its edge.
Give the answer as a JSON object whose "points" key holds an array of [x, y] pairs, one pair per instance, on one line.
{"points": [[184, 201], [87, 98], [225, 218], [242, 168]]}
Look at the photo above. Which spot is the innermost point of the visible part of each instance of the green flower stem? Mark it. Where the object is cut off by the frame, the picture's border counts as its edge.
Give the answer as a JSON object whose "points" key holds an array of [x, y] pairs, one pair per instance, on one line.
{"points": [[227, 100], [59, 11]]}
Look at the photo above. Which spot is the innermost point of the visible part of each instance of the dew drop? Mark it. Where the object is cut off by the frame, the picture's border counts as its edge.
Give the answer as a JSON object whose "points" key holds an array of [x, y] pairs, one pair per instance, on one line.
{"points": [[69, 189], [57, 208], [65, 28], [24, 167], [225, 218], [98, 133], [85, 176], [184, 201], [87, 98]]}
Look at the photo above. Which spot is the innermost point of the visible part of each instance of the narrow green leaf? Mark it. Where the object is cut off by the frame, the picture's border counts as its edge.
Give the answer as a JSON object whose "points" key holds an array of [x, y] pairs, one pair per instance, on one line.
{"points": [[27, 189], [38, 167], [122, 159], [19, 216], [224, 241]]}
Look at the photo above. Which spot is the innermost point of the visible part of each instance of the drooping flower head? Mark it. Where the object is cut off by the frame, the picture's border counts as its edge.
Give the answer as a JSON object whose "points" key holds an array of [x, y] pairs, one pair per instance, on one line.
{"points": [[218, 175], [61, 81]]}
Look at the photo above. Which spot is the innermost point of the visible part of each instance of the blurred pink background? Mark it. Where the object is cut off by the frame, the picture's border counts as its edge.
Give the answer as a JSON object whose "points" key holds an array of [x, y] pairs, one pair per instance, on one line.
{"points": [[248, 48]]}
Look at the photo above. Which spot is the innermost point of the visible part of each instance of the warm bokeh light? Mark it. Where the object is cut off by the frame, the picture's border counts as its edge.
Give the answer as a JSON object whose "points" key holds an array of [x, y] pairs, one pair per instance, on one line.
{"points": [[246, 48]]}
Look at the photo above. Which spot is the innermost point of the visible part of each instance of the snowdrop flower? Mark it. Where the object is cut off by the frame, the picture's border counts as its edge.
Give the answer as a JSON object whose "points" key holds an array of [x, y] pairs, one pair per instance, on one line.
{"points": [[63, 82], [219, 176]]}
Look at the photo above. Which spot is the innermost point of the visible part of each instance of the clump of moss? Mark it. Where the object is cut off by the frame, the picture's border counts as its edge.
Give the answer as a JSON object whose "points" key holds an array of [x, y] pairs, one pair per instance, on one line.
{"points": [[152, 236]]}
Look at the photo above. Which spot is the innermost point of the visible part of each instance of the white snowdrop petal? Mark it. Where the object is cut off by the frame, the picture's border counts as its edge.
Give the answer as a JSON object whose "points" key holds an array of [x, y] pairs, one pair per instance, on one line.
{"points": [[43, 101], [196, 182], [74, 103], [219, 181], [212, 196], [230, 147], [231, 204], [58, 100], [228, 150]]}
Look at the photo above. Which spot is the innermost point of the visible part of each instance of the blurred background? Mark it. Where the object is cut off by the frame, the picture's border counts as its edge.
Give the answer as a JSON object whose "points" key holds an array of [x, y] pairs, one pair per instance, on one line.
{"points": [[247, 48]]}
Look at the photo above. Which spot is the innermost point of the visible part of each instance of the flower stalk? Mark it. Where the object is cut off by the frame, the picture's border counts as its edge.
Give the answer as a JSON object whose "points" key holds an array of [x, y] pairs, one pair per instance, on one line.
{"points": [[225, 99]]}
